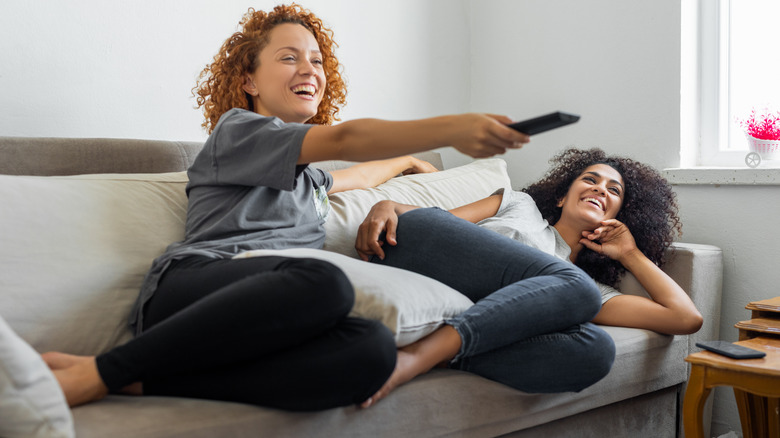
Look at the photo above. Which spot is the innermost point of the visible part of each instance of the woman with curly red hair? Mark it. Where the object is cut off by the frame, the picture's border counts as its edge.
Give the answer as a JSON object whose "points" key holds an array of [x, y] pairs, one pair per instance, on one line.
{"points": [[272, 331], [530, 327], [221, 84]]}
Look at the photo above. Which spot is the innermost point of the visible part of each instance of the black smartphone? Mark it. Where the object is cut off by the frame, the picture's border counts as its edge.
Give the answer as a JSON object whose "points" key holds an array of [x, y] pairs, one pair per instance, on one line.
{"points": [[544, 123], [728, 349]]}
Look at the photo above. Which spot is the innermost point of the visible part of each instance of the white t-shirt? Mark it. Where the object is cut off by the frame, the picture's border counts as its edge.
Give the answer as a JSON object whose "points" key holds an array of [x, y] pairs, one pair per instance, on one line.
{"points": [[518, 218]]}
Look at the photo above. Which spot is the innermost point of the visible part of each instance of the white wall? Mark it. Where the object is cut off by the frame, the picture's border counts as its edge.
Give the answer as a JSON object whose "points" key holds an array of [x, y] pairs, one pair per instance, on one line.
{"points": [[113, 68], [616, 63], [110, 68]]}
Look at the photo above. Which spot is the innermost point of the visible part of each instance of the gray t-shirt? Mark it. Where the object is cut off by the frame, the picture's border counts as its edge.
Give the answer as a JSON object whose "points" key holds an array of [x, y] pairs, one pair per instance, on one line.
{"points": [[519, 218], [246, 192]]}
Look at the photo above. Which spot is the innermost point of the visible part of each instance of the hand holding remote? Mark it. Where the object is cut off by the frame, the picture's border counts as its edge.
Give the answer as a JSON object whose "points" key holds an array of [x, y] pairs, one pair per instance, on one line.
{"points": [[544, 123]]}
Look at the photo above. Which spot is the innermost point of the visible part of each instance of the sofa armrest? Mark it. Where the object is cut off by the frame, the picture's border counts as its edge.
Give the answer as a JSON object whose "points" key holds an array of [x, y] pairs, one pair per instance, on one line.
{"points": [[698, 269]]}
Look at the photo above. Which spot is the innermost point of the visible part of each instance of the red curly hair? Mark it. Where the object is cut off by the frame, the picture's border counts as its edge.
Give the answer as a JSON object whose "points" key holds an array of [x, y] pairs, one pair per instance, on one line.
{"points": [[219, 87]]}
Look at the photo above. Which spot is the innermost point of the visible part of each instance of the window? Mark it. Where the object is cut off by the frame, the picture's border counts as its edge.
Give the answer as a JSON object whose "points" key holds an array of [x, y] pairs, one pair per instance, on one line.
{"points": [[730, 66]]}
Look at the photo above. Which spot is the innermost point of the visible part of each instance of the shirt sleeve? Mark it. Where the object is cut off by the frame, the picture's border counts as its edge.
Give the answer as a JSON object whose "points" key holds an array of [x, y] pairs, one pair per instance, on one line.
{"points": [[249, 149], [607, 292], [321, 177], [516, 215]]}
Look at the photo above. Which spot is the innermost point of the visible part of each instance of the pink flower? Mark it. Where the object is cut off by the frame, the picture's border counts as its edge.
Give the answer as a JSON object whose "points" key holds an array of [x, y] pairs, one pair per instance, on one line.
{"points": [[764, 126]]}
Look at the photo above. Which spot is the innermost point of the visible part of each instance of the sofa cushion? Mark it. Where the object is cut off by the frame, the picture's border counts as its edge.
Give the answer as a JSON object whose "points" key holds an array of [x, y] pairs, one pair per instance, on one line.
{"points": [[31, 402], [75, 250], [446, 189]]}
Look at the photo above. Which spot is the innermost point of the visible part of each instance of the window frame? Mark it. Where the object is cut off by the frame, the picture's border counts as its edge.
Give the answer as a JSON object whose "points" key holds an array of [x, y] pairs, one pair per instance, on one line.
{"points": [[705, 86], [703, 76]]}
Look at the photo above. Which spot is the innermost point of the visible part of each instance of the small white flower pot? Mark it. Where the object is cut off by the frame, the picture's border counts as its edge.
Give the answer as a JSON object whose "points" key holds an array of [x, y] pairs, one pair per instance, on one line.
{"points": [[768, 149]]}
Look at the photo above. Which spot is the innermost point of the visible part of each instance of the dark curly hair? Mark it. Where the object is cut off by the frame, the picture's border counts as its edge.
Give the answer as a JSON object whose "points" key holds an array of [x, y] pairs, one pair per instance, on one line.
{"points": [[649, 207], [219, 87]]}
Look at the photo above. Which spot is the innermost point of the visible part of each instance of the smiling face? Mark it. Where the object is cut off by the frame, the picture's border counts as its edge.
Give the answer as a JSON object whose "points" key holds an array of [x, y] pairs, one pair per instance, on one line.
{"points": [[595, 195], [290, 81]]}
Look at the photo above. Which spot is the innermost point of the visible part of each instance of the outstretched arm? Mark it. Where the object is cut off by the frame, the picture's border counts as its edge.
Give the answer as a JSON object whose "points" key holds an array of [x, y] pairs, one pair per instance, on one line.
{"points": [[372, 173], [670, 310], [477, 135]]}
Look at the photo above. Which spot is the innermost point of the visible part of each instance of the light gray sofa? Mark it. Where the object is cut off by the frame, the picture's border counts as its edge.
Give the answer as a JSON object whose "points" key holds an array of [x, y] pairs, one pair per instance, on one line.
{"points": [[66, 305]]}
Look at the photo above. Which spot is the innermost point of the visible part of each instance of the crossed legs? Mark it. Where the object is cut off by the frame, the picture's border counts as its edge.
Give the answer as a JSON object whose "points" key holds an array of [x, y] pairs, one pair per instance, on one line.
{"points": [[529, 326], [270, 331]]}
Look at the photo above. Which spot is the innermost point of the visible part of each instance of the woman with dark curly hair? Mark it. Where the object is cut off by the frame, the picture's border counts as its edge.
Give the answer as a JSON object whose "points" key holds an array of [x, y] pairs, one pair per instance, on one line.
{"points": [[531, 326], [271, 331]]}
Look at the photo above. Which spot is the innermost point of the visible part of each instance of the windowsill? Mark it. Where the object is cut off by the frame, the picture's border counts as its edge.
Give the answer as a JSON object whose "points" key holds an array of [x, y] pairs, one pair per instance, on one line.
{"points": [[735, 176]]}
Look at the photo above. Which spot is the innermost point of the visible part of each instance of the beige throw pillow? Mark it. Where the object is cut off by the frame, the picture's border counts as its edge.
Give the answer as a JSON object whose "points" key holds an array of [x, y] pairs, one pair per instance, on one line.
{"points": [[74, 251], [446, 189]]}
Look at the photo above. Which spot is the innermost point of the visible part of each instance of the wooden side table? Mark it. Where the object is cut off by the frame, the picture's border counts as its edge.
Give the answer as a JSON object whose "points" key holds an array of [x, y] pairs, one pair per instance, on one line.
{"points": [[764, 320], [756, 384]]}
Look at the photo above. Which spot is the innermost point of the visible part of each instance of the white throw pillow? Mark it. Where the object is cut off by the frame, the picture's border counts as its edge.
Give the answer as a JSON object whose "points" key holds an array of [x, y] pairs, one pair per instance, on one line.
{"points": [[446, 189], [31, 402], [409, 304], [74, 251]]}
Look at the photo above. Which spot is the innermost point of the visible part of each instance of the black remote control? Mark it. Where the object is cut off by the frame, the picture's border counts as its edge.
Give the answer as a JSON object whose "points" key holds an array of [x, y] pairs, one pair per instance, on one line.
{"points": [[544, 123], [728, 349]]}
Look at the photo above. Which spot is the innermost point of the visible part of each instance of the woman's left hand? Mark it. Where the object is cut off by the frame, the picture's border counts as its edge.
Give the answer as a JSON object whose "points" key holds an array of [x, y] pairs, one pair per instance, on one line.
{"points": [[382, 218], [612, 238], [419, 166], [668, 310]]}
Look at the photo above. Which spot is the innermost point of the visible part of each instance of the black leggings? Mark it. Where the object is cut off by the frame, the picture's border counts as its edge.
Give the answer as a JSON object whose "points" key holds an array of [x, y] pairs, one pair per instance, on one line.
{"points": [[271, 331]]}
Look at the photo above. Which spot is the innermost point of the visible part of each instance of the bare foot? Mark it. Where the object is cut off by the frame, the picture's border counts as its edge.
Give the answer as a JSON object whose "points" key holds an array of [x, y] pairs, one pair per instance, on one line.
{"points": [[407, 367], [78, 377], [418, 358], [58, 361]]}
